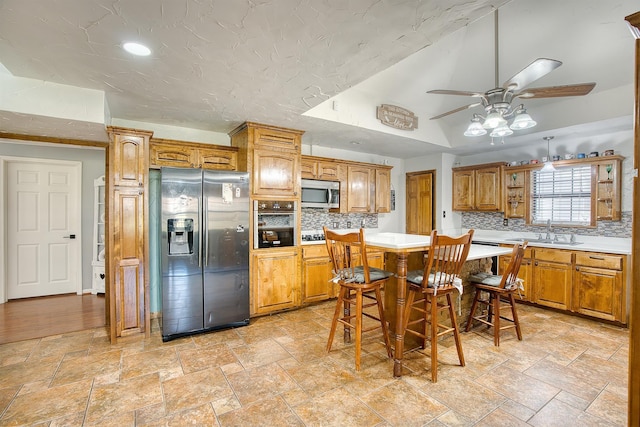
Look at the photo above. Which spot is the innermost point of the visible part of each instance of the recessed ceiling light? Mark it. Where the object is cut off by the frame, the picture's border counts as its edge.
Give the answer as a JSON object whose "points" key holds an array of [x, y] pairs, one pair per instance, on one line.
{"points": [[355, 142], [136, 49]]}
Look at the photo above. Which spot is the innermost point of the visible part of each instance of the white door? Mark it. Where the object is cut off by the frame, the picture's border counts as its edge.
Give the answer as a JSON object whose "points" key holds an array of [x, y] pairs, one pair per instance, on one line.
{"points": [[43, 227]]}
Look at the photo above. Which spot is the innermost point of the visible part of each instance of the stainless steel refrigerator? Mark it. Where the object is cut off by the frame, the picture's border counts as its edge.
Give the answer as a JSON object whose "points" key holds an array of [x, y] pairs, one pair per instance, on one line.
{"points": [[205, 250]]}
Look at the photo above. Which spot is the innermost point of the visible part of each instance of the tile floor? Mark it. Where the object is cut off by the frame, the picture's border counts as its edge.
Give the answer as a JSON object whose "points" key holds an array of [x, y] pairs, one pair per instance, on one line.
{"points": [[568, 371]]}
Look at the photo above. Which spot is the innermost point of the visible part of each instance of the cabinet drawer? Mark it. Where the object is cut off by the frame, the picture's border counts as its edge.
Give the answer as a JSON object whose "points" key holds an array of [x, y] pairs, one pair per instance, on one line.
{"points": [[553, 255], [314, 251], [611, 262], [279, 139]]}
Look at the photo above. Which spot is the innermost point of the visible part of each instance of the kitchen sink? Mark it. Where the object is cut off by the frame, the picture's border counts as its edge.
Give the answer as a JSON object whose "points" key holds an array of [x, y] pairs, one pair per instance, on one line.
{"points": [[547, 241]]}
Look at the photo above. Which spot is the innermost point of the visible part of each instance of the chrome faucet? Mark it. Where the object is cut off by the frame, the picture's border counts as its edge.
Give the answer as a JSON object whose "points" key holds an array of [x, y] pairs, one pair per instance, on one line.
{"points": [[548, 236]]}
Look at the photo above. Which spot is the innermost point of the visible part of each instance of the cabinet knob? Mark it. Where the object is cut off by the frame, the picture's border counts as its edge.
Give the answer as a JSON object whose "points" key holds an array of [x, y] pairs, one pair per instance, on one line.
{"points": [[140, 184], [577, 268], [535, 263]]}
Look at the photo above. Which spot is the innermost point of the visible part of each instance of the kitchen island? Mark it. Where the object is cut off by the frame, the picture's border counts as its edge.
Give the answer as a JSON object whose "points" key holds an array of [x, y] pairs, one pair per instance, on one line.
{"points": [[403, 250]]}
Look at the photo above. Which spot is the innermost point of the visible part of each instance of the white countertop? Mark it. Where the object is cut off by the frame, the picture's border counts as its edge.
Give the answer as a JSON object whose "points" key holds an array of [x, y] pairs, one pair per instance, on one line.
{"points": [[613, 245]]}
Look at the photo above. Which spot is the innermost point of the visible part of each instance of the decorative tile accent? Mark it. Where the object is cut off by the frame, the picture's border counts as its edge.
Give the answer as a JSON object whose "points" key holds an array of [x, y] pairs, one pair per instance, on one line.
{"points": [[493, 221], [315, 219]]}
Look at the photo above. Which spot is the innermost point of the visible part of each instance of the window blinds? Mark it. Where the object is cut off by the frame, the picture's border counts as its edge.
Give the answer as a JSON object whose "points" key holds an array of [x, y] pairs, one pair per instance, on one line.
{"points": [[563, 196]]}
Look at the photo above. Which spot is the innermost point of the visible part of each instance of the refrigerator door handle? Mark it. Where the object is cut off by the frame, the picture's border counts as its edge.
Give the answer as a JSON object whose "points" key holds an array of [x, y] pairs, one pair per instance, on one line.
{"points": [[205, 229], [200, 234]]}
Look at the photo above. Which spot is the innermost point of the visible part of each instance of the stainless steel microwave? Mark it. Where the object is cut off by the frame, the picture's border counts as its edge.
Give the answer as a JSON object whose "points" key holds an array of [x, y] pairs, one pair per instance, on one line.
{"points": [[320, 194]]}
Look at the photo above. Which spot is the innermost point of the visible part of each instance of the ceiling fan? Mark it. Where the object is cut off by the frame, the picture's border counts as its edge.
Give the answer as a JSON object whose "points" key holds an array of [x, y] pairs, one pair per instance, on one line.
{"points": [[497, 101]]}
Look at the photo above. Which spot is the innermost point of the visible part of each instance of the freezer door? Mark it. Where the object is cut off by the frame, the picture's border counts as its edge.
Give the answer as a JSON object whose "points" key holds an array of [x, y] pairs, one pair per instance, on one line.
{"points": [[226, 248], [182, 292]]}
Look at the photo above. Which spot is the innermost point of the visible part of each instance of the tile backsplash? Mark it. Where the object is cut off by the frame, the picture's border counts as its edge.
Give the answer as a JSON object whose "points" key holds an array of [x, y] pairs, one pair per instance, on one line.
{"points": [[493, 221], [315, 219]]}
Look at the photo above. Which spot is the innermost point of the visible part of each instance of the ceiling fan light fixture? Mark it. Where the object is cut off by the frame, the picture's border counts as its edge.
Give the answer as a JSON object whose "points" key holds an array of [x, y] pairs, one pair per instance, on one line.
{"points": [[475, 127], [522, 120], [494, 120], [501, 131]]}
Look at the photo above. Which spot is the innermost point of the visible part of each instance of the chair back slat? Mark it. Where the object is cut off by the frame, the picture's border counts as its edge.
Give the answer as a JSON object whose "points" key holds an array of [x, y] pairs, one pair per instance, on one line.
{"points": [[342, 250], [510, 275], [445, 259]]}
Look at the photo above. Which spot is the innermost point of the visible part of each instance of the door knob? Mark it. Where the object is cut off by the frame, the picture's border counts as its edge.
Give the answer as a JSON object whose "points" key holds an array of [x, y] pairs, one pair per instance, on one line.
{"points": [[70, 236]]}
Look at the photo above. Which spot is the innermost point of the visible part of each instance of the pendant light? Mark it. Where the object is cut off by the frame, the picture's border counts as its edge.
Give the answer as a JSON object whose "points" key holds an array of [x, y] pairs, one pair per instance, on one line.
{"points": [[548, 165]]}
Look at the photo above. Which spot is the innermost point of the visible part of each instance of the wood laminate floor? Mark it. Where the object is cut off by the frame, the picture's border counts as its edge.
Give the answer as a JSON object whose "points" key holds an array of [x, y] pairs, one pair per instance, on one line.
{"points": [[29, 318], [567, 371]]}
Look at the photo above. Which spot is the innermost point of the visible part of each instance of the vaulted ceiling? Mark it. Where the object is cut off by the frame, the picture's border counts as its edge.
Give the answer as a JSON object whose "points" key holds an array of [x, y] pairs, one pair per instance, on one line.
{"points": [[319, 66]]}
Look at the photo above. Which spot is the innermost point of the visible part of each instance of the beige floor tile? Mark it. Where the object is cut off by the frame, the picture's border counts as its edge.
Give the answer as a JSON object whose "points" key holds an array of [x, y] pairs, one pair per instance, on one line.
{"points": [[109, 400], [574, 381], [500, 418], [195, 389], [260, 383], [78, 368], [26, 372], [147, 362], [559, 414], [517, 410], [522, 388], [17, 352], [272, 412], [611, 407], [321, 376], [260, 353], [336, 408], [48, 404], [199, 358], [402, 405]]}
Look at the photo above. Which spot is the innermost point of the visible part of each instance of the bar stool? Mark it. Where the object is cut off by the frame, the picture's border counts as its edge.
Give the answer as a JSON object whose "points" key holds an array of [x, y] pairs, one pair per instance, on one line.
{"points": [[500, 290], [439, 279], [358, 282]]}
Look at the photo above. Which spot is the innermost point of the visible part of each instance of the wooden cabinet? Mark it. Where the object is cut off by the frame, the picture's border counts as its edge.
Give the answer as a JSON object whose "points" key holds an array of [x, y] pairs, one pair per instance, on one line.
{"points": [[272, 155], [316, 274], [608, 188], [552, 278], [599, 287], [320, 168], [127, 232], [478, 188], [274, 173], [516, 193], [275, 280], [99, 251], [525, 273], [360, 187], [183, 154], [383, 190]]}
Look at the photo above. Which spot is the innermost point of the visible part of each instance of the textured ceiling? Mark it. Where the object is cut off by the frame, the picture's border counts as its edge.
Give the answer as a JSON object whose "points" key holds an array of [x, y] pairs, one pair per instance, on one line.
{"points": [[216, 64]]}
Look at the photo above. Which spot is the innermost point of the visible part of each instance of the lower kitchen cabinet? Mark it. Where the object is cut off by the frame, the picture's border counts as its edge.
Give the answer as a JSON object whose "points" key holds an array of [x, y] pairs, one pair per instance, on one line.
{"points": [[552, 278], [275, 280], [525, 273], [599, 287], [316, 274]]}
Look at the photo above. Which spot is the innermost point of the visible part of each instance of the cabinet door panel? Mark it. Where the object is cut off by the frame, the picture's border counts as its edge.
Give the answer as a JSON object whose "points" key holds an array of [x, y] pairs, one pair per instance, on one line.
{"points": [[552, 284], [328, 171], [488, 189], [598, 293], [308, 168], [383, 190], [275, 281], [316, 279], [360, 181], [170, 155], [274, 173], [463, 191], [128, 166], [278, 139], [217, 159]]}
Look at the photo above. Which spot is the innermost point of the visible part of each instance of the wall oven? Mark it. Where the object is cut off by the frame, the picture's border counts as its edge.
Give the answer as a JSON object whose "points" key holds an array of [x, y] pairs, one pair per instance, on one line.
{"points": [[320, 194], [274, 223]]}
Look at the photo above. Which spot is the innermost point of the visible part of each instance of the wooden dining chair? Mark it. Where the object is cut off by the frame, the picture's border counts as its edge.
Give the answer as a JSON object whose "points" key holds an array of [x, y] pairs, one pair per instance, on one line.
{"points": [[500, 292], [430, 293], [358, 282]]}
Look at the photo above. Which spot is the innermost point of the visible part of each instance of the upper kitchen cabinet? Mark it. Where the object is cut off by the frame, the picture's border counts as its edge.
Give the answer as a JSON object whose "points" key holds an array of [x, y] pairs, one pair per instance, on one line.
{"points": [[478, 188], [181, 154], [607, 173], [383, 190], [368, 188], [321, 168], [126, 260], [272, 155]]}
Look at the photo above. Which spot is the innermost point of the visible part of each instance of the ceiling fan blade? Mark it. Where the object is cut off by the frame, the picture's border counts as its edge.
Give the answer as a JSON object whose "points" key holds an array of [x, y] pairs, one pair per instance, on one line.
{"points": [[532, 72], [454, 92], [466, 107], [557, 91]]}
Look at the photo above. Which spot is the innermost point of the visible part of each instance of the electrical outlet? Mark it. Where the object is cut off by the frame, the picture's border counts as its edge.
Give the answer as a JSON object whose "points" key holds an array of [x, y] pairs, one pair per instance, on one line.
{"points": [[505, 222], [348, 224], [335, 224]]}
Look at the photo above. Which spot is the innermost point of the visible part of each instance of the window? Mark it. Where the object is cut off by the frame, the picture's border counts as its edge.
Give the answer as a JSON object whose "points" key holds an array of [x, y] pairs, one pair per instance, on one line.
{"points": [[562, 196]]}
